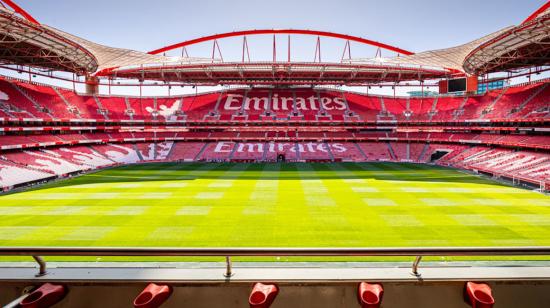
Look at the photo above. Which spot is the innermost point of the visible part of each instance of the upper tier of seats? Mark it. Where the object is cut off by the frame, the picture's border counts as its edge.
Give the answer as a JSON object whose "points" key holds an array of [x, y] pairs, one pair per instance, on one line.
{"points": [[23, 100]]}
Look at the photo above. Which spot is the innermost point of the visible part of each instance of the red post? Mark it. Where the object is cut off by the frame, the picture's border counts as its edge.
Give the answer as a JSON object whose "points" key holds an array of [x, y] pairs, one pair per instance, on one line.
{"points": [[153, 296], [262, 295], [45, 296], [370, 295], [479, 295]]}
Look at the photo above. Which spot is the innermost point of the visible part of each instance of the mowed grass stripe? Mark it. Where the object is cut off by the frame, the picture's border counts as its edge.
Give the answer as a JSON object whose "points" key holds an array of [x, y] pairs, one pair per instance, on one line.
{"points": [[277, 205]]}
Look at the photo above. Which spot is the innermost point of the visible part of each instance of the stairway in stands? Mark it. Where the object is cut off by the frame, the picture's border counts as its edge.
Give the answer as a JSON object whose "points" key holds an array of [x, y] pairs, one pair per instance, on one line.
{"points": [[529, 99], [489, 108], [101, 109], [35, 104], [70, 107]]}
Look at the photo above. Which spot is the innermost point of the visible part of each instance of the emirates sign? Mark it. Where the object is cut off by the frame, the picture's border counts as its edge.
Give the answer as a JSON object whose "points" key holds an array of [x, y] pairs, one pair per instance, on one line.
{"points": [[283, 103], [279, 147]]}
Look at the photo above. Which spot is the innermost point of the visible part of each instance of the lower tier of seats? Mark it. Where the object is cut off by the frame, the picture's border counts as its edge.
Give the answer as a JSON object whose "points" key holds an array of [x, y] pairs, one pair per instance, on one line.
{"points": [[23, 167]]}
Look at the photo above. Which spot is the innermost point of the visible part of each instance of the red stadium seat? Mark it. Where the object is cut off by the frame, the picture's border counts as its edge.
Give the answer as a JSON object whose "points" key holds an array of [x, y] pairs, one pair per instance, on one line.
{"points": [[479, 295], [153, 296], [45, 296], [370, 295], [262, 295]]}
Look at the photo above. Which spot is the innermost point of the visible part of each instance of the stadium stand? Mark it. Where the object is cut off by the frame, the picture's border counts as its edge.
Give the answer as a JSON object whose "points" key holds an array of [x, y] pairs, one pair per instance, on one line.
{"points": [[57, 149], [249, 151], [375, 151], [346, 151], [185, 151]]}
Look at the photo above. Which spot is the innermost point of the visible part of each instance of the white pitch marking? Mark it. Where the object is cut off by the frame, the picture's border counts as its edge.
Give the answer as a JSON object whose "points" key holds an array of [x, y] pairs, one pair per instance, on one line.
{"points": [[473, 220], [194, 210], [362, 189], [438, 201], [128, 185], [516, 242], [209, 195], [379, 202], [534, 219], [65, 210], [256, 210], [402, 220], [12, 233], [156, 195], [458, 190], [488, 201], [414, 189], [128, 210], [170, 233], [87, 234], [12, 210], [174, 185], [101, 196], [221, 184]]}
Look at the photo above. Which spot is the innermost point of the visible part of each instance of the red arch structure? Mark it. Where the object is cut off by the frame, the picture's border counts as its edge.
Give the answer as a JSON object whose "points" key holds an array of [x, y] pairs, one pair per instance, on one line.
{"points": [[21, 11], [535, 14], [281, 31]]}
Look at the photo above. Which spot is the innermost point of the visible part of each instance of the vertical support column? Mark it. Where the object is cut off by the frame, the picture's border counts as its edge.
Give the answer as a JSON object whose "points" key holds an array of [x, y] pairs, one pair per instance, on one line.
{"points": [[288, 60], [228, 267], [274, 49], [42, 264], [92, 85], [415, 266]]}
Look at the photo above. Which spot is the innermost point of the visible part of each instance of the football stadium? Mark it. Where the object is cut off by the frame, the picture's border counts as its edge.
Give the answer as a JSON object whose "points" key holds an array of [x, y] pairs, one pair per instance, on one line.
{"points": [[274, 168]]}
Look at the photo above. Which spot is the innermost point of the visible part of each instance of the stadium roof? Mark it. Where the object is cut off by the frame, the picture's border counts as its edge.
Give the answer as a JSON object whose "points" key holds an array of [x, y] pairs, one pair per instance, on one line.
{"points": [[27, 42], [523, 46]]}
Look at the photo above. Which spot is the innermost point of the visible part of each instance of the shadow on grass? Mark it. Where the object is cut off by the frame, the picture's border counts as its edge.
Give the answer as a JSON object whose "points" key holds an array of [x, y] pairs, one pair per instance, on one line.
{"points": [[382, 171]]}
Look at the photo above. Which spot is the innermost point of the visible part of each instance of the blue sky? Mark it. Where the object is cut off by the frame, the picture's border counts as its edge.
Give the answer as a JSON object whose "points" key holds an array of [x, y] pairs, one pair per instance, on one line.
{"points": [[413, 25]]}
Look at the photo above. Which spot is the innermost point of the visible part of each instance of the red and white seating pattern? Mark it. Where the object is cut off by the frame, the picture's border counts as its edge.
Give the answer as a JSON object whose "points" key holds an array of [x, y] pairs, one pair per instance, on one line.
{"points": [[55, 150], [249, 151], [25, 100], [186, 151], [346, 151], [39, 160], [83, 155], [124, 154], [31, 165], [12, 174], [400, 150], [376, 151], [217, 151]]}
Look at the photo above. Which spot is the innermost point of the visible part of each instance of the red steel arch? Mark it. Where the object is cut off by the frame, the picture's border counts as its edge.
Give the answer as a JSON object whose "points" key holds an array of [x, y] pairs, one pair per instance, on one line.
{"points": [[535, 14], [282, 31], [21, 11]]}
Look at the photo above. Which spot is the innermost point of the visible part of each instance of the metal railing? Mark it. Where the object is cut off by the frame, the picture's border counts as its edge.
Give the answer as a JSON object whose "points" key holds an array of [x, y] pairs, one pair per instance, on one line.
{"points": [[228, 253]]}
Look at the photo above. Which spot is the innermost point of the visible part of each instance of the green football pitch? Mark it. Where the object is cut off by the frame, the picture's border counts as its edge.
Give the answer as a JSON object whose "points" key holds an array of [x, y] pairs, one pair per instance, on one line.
{"points": [[275, 205]]}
